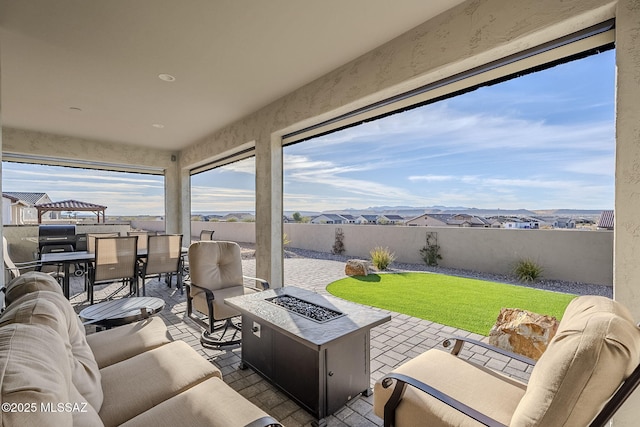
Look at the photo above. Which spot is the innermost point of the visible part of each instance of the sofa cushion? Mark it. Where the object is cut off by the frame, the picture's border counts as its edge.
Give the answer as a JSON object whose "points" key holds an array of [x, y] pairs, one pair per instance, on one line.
{"points": [[28, 282], [596, 347], [476, 386], [117, 344], [31, 373], [53, 310], [143, 381], [211, 403]]}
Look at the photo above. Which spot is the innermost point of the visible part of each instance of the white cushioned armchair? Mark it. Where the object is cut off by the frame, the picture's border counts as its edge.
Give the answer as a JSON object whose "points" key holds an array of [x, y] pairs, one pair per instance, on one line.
{"points": [[588, 370]]}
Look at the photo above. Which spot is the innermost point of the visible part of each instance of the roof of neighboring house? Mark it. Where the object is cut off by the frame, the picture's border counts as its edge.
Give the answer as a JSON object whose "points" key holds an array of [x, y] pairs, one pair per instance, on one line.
{"points": [[606, 220], [441, 217], [71, 205], [334, 217], [394, 217], [369, 217], [31, 198]]}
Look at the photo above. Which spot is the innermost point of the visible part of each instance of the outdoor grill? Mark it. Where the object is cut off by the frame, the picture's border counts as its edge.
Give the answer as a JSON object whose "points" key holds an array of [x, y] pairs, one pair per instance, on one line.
{"points": [[56, 238]]}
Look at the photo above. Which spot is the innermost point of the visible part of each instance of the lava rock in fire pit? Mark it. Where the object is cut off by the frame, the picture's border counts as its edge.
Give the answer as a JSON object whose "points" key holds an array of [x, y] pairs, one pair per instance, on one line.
{"points": [[305, 308]]}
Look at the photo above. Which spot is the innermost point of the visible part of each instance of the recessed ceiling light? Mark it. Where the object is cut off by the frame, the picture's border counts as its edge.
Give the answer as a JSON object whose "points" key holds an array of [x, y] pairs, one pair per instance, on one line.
{"points": [[158, 125], [166, 77]]}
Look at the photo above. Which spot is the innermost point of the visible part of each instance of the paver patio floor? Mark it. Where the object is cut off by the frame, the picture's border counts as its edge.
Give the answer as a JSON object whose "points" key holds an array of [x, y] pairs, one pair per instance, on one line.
{"points": [[392, 344]]}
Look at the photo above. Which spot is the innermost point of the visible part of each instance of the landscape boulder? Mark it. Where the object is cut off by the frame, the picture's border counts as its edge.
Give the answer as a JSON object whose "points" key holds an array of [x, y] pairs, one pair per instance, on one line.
{"points": [[523, 332], [356, 267]]}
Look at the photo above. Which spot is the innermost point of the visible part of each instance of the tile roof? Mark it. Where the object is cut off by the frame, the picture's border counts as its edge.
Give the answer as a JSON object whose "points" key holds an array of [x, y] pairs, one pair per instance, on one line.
{"points": [[31, 198]]}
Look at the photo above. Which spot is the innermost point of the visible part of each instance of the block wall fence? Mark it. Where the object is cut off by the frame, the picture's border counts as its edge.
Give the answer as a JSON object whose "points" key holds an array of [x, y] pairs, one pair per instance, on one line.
{"points": [[573, 255]]}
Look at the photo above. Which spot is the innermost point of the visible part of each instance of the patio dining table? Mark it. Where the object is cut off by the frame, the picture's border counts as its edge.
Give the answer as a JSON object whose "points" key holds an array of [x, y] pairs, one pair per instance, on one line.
{"points": [[82, 257]]}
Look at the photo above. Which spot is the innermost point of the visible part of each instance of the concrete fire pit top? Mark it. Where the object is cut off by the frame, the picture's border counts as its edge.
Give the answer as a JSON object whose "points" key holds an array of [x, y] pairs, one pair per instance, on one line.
{"points": [[311, 332]]}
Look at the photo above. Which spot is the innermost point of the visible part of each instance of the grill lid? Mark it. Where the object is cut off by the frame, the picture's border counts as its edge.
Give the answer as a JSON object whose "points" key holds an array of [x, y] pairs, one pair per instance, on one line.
{"points": [[57, 234]]}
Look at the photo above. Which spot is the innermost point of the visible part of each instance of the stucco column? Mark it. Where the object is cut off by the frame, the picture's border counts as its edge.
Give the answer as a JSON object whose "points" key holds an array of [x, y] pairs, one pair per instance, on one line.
{"points": [[185, 206], [626, 258], [173, 198], [269, 261]]}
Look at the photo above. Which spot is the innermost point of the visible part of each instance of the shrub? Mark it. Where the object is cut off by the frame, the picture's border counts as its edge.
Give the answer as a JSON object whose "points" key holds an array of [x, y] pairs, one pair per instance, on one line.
{"points": [[338, 246], [382, 257], [431, 251], [431, 255], [527, 270]]}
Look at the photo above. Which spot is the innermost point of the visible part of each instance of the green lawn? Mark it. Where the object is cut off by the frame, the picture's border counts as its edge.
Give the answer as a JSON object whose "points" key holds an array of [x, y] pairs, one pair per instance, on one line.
{"points": [[469, 304]]}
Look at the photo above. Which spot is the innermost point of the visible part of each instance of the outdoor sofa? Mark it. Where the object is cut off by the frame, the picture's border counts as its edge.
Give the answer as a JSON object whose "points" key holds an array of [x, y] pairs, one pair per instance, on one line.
{"points": [[52, 374]]}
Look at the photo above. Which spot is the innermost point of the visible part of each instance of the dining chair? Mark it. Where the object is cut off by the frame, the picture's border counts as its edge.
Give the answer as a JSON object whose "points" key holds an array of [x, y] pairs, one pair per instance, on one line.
{"points": [[91, 239], [216, 274], [164, 254], [142, 238], [115, 260], [206, 235]]}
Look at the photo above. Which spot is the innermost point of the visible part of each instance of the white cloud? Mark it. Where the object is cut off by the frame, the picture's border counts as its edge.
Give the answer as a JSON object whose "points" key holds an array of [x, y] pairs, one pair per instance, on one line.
{"points": [[431, 178]]}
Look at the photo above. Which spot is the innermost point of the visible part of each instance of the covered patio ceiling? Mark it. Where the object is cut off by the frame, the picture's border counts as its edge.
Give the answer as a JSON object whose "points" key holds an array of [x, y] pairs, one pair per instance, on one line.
{"points": [[94, 69]]}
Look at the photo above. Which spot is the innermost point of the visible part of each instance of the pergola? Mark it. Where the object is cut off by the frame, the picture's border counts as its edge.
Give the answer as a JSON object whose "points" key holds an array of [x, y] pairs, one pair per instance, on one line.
{"points": [[72, 206]]}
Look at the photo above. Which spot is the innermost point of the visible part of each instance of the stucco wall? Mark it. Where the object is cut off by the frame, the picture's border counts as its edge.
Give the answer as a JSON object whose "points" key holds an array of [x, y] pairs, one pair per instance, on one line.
{"points": [[583, 256]]}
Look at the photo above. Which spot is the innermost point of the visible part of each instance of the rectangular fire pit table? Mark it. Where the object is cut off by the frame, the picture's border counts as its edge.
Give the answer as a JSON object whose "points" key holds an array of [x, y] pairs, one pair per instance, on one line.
{"points": [[321, 364]]}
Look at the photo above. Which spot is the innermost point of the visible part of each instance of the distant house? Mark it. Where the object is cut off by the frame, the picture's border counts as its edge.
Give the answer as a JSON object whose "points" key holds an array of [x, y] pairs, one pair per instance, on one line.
{"points": [[367, 219], [521, 223], [451, 220], [21, 207], [606, 220], [390, 219], [329, 219], [466, 220], [564, 223], [420, 220], [349, 219]]}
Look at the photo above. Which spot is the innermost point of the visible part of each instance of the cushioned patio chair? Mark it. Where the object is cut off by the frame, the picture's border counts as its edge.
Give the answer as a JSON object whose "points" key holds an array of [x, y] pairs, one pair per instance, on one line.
{"points": [[588, 370], [216, 274]]}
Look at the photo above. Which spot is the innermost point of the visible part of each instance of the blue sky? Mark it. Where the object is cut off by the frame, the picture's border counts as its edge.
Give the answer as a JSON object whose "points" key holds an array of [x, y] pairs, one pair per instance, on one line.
{"points": [[541, 141]]}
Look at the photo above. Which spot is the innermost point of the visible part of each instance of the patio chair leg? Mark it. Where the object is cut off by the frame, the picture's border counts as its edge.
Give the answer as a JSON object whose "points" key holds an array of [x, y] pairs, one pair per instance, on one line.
{"points": [[216, 338]]}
